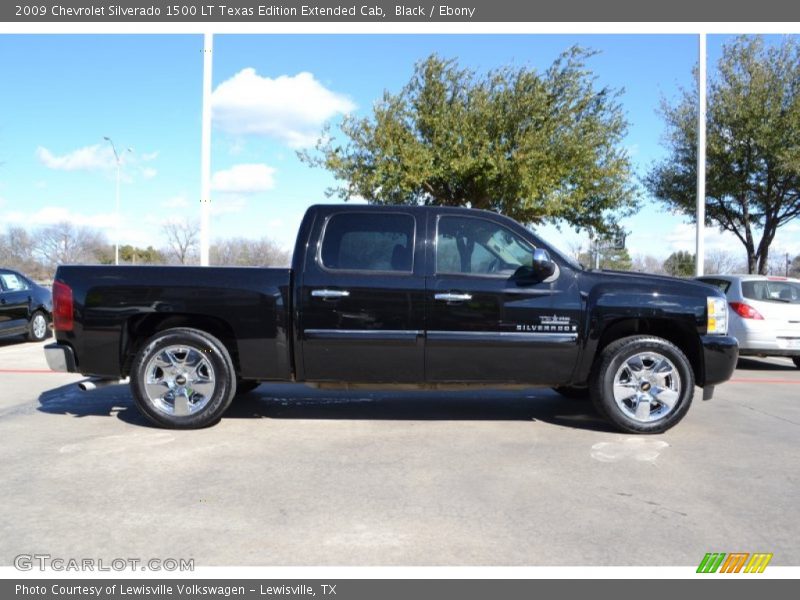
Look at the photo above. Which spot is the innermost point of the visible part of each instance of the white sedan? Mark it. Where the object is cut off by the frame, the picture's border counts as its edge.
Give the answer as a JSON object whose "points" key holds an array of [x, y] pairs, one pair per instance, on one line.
{"points": [[764, 313]]}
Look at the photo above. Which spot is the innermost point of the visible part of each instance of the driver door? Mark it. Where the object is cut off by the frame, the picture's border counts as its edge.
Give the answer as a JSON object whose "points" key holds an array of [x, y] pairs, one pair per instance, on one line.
{"points": [[484, 323]]}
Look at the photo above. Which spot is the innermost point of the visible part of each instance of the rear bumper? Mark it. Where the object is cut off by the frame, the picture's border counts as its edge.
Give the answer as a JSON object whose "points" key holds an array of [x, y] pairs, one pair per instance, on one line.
{"points": [[60, 358], [720, 353]]}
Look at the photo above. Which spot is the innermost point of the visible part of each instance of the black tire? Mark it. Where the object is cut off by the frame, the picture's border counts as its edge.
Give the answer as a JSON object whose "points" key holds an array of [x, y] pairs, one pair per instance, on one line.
{"points": [[573, 392], [243, 386], [200, 368], [796, 361], [620, 358], [37, 327]]}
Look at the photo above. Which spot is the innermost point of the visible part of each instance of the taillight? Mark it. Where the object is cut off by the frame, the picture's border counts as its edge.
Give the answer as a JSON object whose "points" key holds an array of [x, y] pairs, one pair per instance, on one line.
{"points": [[746, 311], [62, 307]]}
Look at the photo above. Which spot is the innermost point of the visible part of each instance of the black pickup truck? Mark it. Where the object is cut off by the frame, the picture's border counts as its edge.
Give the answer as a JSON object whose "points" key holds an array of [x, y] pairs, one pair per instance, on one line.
{"points": [[427, 296]]}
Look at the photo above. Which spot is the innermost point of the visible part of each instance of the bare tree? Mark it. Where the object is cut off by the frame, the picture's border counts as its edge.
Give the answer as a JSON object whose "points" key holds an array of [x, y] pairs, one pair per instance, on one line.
{"points": [[17, 251], [647, 264], [242, 251], [182, 240], [720, 262], [65, 243]]}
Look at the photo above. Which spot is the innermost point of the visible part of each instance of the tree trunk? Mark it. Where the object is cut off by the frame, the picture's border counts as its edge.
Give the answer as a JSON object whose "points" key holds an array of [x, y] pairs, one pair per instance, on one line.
{"points": [[763, 261]]}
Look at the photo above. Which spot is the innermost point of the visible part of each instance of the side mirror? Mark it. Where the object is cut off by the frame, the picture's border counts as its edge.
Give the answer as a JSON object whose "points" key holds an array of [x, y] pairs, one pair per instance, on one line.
{"points": [[541, 268], [543, 265]]}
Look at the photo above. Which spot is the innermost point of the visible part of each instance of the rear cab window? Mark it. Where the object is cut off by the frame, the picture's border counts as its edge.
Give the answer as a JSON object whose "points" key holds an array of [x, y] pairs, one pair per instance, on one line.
{"points": [[378, 242]]}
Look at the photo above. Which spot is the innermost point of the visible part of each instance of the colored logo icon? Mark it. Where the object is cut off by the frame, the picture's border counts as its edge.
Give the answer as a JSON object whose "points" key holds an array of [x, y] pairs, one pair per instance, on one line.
{"points": [[735, 562]]}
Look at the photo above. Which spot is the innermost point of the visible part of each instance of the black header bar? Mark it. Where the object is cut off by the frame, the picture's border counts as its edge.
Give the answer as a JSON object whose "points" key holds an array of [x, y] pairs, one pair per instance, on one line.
{"points": [[382, 11]]}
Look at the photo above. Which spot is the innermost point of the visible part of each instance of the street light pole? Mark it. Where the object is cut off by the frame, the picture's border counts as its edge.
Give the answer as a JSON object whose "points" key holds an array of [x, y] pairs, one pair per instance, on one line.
{"points": [[117, 217]]}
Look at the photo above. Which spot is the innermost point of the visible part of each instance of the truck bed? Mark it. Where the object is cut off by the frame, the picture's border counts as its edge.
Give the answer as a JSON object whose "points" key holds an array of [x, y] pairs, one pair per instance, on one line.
{"points": [[247, 308]]}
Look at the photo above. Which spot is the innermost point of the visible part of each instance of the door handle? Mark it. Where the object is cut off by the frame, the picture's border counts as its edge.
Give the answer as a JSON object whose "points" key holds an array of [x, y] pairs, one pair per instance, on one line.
{"points": [[330, 293], [451, 297]]}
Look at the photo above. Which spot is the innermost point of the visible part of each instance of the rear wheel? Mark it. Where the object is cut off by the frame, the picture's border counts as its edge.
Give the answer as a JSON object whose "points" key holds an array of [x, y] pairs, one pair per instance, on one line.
{"points": [[37, 327], [183, 378], [642, 384]]}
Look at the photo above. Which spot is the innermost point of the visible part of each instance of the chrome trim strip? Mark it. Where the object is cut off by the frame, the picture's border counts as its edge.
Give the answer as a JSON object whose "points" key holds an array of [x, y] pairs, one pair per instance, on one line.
{"points": [[505, 337], [330, 293], [394, 335], [452, 297]]}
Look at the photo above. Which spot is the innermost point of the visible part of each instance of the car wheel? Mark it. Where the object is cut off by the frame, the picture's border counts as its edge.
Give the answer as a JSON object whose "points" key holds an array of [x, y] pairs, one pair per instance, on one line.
{"points": [[183, 379], [642, 384], [573, 392], [796, 361], [244, 386], [37, 327]]}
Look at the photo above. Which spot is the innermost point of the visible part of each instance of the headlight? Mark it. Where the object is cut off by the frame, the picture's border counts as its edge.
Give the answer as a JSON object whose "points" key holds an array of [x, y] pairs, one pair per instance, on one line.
{"points": [[717, 315]]}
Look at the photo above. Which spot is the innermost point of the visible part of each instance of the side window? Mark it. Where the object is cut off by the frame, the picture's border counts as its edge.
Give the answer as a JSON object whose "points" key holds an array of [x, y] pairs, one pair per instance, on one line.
{"points": [[369, 242], [12, 282], [478, 246], [771, 291]]}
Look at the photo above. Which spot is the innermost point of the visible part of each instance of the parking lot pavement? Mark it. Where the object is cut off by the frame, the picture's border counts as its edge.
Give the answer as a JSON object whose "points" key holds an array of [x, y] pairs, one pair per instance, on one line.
{"points": [[296, 476]]}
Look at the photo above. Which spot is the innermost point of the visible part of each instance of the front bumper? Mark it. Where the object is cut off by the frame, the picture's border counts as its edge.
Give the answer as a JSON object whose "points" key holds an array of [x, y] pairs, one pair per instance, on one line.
{"points": [[720, 353], [60, 358]]}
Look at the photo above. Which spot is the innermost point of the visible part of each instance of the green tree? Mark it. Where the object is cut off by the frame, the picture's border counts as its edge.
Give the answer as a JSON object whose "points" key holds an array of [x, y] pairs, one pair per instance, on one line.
{"points": [[753, 145], [680, 264], [140, 256], [617, 259], [534, 146]]}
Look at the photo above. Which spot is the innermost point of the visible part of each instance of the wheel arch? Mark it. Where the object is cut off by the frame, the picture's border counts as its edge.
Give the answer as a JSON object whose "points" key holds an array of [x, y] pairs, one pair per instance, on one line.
{"points": [[680, 334], [141, 328]]}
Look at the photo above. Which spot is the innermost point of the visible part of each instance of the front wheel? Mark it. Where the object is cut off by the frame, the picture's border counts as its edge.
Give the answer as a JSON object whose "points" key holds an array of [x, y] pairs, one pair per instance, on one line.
{"points": [[37, 327], [183, 379], [642, 384]]}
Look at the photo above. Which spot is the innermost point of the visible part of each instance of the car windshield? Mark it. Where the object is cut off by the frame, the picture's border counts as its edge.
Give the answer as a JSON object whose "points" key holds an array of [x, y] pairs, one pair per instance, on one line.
{"points": [[772, 291]]}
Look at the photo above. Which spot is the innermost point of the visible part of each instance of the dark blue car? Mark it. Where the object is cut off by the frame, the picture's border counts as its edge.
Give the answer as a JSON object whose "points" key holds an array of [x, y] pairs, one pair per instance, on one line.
{"points": [[25, 307]]}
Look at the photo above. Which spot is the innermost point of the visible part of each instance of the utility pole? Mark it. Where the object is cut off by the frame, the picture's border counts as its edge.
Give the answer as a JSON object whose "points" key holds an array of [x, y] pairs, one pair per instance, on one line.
{"points": [[701, 157], [205, 151], [118, 158]]}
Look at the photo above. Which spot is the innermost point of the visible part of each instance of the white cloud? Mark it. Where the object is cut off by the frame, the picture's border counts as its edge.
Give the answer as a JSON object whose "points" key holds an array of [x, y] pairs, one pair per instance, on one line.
{"points": [[88, 158], [244, 179], [149, 173], [291, 109], [148, 156], [50, 215]]}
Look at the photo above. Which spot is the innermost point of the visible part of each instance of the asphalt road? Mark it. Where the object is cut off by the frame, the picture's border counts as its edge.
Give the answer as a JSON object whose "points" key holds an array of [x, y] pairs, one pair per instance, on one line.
{"points": [[296, 476]]}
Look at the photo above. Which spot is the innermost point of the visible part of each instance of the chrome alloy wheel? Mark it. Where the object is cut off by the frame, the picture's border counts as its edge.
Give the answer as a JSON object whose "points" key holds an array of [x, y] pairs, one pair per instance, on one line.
{"points": [[39, 326], [647, 387], [179, 380]]}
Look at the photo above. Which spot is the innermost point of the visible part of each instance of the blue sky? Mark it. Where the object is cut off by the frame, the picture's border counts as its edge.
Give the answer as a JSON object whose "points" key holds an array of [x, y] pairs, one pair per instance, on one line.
{"points": [[63, 93]]}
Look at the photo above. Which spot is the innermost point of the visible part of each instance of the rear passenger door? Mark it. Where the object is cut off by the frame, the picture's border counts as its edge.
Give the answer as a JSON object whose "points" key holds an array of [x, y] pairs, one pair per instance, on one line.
{"points": [[361, 297]]}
